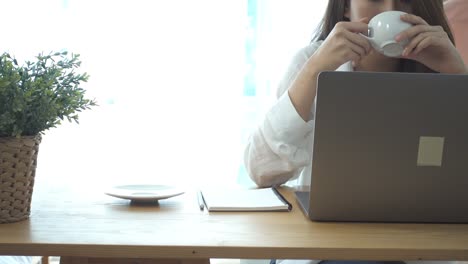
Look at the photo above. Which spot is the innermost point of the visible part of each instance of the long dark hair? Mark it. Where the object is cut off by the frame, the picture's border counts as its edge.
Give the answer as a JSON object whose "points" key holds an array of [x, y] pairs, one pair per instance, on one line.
{"points": [[432, 11]]}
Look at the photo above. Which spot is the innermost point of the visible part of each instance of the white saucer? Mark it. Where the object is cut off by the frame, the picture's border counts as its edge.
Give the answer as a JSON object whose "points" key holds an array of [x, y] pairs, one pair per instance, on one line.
{"points": [[144, 192]]}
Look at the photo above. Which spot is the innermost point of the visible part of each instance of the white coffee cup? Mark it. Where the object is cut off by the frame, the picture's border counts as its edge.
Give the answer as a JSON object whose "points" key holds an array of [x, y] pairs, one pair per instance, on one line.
{"points": [[383, 28]]}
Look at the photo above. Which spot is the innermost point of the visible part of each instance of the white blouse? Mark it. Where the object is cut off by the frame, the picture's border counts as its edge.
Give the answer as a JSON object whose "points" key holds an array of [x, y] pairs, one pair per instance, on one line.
{"points": [[280, 149]]}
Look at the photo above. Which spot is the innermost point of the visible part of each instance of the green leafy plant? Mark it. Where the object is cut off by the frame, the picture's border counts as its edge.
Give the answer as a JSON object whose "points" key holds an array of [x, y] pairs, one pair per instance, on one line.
{"points": [[40, 94]]}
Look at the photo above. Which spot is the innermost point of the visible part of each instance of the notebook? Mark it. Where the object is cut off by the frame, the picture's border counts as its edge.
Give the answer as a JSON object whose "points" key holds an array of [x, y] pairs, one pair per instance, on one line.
{"points": [[267, 199]]}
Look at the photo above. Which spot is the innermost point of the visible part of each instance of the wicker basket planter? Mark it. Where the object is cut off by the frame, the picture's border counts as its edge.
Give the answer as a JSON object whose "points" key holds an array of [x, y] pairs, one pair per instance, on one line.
{"points": [[34, 96], [18, 160]]}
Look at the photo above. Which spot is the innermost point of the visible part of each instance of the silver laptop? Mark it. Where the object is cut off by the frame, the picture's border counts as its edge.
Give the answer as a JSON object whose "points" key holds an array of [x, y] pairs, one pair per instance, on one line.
{"points": [[389, 147]]}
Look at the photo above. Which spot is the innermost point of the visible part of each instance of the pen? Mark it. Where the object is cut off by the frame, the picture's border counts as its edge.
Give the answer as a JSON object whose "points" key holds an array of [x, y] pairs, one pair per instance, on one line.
{"points": [[201, 204]]}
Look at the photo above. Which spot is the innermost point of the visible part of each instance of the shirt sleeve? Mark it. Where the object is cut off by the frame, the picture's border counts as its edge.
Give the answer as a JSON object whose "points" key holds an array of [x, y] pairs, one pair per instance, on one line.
{"points": [[278, 149]]}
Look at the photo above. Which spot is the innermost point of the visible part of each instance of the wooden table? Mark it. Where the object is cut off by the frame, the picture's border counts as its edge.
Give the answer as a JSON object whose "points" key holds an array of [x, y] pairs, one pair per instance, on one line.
{"points": [[89, 224]]}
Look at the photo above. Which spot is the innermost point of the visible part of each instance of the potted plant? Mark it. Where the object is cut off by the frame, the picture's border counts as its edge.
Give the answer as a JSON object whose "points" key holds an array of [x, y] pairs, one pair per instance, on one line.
{"points": [[34, 97]]}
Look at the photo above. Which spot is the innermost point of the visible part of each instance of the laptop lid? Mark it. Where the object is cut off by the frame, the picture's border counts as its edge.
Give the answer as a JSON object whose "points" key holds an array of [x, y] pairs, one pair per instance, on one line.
{"points": [[390, 147]]}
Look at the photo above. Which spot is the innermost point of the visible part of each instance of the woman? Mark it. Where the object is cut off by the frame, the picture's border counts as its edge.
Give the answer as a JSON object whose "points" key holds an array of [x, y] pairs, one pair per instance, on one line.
{"points": [[281, 148]]}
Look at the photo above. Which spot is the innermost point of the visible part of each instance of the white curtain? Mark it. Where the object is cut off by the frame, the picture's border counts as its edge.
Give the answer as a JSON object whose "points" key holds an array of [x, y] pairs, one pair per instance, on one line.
{"points": [[169, 80]]}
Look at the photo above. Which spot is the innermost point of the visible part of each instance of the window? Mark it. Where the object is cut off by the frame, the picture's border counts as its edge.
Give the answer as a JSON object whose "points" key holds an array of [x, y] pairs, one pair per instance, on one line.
{"points": [[180, 84]]}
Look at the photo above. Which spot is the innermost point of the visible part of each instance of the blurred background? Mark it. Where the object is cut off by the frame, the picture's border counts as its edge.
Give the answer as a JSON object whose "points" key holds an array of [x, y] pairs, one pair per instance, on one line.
{"points": [[180, 84]]}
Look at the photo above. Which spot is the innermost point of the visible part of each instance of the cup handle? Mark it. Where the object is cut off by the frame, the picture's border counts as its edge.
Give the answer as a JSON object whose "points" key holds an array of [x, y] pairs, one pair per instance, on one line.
{"points": [[370, 33], [370, 37]]}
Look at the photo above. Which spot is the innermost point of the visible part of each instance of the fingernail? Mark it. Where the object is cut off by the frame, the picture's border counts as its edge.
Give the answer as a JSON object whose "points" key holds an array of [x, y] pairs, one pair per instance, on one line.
{"points": [[398, 38], [405, 51]]}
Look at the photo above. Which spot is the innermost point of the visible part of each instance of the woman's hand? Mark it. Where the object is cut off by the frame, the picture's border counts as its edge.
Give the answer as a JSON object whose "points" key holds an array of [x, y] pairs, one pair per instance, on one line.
{"points": [[342, 45], [431, 46]]}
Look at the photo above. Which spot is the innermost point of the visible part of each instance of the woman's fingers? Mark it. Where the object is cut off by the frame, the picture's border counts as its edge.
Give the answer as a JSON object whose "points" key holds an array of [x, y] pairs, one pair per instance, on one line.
{"points": [[346, 34], [414, 43], [414, 46], [421, 35], [412, 19], [415, 30], [356, 27], [345, 44], [430, 40], [356, 49], [360, 41], [364, 20]]}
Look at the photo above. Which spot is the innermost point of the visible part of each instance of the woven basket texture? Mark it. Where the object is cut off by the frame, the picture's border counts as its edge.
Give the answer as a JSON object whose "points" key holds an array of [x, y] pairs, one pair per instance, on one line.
{"points": [[18, 161]]}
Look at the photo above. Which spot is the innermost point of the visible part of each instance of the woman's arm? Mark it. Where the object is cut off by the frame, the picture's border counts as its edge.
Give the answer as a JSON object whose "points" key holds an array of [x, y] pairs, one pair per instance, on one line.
{"points": [[282, 146], [277, 150], [341, 46], [304, 89]]}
